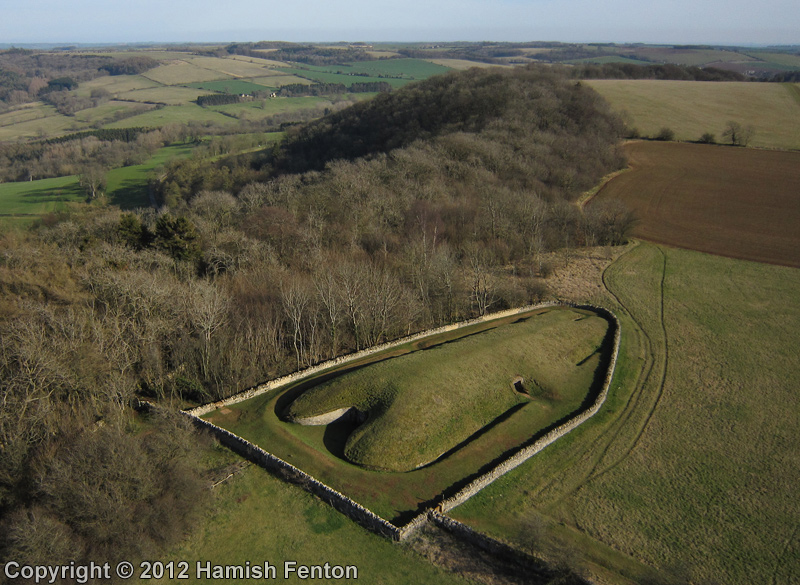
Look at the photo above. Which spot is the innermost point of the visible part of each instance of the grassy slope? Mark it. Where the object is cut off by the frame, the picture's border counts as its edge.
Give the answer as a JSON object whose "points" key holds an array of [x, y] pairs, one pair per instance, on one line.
{"points": [[319, 450], [24, 201], [127, 186], [425, 403], [691, 108], [698, 472], [256, 517]]}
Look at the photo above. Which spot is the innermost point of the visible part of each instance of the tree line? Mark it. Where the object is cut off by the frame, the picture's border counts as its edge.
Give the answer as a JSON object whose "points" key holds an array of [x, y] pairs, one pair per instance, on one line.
{"points": [[321, 89]]}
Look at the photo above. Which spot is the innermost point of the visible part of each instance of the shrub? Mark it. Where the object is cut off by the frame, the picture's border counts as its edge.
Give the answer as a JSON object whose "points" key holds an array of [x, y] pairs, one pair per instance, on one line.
{"points": [[708, 138], [665, 134]]}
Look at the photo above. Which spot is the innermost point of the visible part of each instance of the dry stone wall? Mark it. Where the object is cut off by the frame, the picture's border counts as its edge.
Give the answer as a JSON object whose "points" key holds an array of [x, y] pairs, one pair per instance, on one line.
{"points": [[356, 511], [536, 570], [339, 501]]}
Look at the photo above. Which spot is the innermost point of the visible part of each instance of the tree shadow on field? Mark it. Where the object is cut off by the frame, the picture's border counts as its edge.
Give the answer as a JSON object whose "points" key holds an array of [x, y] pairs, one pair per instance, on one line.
{"points": [[51, 195], [131, 194]]}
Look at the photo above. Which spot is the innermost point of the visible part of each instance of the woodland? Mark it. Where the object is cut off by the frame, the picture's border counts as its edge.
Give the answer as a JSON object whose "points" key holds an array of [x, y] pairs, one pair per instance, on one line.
{"points": [[427, 205]]}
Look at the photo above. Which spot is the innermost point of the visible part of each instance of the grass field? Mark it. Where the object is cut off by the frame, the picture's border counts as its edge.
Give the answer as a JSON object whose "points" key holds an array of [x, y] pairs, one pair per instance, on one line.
{"points": [[173, 114], [691, 108], [396, 496], [45, 122], [24, 202], [319, 76], [116, 85], [233, 86], [235, 66], [425, 403], [170, 95], [177, 72], [255, 517], [695, 472], [127, 186], [731, 201], [610, 59]]}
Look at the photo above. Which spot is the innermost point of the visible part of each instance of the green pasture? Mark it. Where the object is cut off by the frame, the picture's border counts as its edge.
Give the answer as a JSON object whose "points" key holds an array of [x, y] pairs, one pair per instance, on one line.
{"points": [[407, 68], [691, 468], [170, 95], [331, 76], [28, 200], [785, 61], [127, 186], [234, 66], [116, 85], [182, 71], [276, 81], [256, 517], [233, 86], [26, 113], [684, 56], [106, 112], [486, 431], [23, 202], [692, 108], [263, 108], [182, 114], [45, 122]]}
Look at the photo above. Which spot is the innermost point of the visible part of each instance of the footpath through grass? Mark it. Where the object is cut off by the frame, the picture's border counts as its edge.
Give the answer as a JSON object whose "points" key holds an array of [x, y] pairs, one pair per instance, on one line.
{"points": [[694, 467]]}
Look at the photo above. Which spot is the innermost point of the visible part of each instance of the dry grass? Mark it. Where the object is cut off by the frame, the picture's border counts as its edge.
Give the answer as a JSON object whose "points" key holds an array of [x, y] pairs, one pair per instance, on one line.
{"points": [[691, 108], [181, 71]]}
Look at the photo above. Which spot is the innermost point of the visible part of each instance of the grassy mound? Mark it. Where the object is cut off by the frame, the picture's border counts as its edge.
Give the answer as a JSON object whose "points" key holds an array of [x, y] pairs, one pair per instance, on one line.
{"points": [[421, 405]]}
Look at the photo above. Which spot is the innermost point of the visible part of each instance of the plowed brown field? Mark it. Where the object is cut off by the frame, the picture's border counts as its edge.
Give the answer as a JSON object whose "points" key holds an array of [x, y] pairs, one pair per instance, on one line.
{"points": [[735, 202]]}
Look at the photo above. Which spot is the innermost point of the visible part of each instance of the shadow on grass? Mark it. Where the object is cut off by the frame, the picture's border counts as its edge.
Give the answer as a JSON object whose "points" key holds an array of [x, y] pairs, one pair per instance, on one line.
{"points": [[72, 192], [131, 194]]}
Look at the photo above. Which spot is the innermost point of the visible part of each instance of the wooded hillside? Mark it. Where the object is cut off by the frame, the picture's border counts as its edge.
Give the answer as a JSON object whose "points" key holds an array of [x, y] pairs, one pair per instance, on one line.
{"points": [[434, 203]]}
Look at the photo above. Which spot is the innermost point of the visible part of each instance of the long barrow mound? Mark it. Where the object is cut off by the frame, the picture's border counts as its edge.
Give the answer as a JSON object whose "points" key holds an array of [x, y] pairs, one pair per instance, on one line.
{"points": [[467, 400]]}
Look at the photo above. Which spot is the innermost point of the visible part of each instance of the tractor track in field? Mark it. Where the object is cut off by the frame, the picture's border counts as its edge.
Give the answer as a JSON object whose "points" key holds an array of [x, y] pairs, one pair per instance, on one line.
{"points": [[595, 473], [596, 468]]}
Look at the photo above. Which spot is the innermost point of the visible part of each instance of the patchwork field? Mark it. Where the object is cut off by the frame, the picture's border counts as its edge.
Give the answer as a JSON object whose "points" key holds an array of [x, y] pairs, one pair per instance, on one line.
{"points": [[695, 470], [405, 424], [692, 108], [731, 201]]}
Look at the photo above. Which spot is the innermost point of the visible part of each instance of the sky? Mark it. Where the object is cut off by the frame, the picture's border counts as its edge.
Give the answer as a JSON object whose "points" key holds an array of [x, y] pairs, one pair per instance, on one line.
{"points": [[741, 22]]}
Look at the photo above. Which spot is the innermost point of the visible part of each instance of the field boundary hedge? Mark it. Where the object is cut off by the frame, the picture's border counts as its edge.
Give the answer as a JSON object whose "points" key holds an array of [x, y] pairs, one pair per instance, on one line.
{"points": [[356, 511]]}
